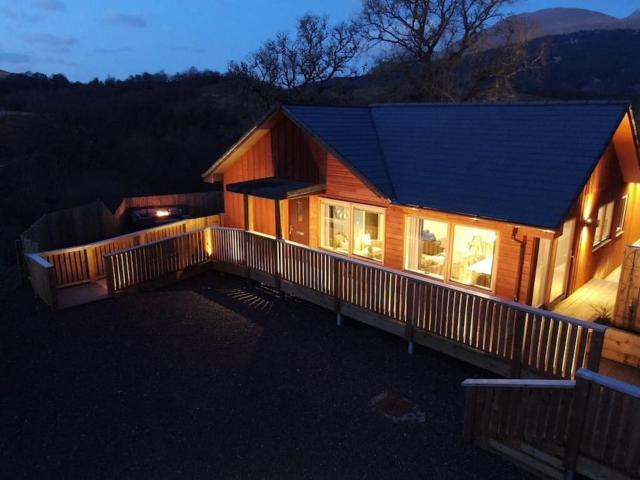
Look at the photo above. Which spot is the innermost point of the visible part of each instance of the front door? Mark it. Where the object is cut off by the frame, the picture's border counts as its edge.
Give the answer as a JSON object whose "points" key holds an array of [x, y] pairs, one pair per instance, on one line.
{"points": [[299, 220]]}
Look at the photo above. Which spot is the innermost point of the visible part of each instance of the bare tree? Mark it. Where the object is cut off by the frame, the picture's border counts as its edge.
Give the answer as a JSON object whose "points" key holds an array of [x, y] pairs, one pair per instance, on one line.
{"points": [[446, 47], [304, 63]]}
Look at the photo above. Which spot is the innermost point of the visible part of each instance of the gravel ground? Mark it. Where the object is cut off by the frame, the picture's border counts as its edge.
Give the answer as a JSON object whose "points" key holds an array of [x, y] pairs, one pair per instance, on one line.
{"points": [[214, 378]]}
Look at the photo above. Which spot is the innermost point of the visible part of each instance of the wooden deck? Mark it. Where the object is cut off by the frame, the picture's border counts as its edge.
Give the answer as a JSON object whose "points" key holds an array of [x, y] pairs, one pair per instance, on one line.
{"points": [[582, 303]]}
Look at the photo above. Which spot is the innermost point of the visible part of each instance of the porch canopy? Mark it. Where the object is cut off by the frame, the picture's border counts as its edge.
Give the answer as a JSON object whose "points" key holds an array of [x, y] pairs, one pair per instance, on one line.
{"points": [[275, 188]]}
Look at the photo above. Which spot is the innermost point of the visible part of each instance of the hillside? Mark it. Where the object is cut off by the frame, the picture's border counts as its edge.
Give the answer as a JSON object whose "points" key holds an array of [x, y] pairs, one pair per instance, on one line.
{"points": [[562, 21]]}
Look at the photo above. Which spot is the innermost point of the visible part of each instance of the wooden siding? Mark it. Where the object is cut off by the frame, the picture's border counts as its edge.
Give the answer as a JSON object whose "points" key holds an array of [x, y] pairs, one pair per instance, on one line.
{"points": [[254, 163], [285, 151], [508, 250], [605, 184], [296, 154], [344, 185]]}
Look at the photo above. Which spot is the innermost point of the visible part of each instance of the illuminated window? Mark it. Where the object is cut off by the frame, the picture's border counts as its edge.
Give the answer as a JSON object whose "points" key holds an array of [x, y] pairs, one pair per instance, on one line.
{"points": [[367, 234], [352, 229], [603, 225], [335, 227], [466, 257], [472, 256], [426, 244], [622, 213]]}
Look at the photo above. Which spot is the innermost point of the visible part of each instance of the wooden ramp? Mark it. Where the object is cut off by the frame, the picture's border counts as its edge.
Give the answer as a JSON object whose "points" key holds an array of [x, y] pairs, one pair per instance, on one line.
{"points": [[84, 293]]}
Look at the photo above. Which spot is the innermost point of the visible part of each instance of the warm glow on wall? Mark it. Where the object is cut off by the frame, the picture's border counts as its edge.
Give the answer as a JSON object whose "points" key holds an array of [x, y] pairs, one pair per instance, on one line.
{"points": [[587, 208]]}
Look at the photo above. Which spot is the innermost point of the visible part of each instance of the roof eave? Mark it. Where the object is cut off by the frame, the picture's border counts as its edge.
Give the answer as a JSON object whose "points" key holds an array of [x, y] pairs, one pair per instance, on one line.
{"points": [[213, 169]]}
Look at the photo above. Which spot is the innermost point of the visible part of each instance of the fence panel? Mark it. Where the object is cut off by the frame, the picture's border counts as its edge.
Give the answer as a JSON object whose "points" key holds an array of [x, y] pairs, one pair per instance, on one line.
{"points": [[590, 425], [152, 261], [42, 278], [309, 268]]}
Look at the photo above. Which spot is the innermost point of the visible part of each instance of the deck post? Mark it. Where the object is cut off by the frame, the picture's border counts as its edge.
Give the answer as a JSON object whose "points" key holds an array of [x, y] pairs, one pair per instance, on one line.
{"points": [[576, 425], [410, 314], [337, 291], [108, 271], [516, 361], [51, 272], [276, 271], [595, 350]]}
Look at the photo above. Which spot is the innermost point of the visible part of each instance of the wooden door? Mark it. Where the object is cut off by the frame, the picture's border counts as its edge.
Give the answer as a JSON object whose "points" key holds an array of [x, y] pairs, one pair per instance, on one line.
{"points": [[299, 220]]}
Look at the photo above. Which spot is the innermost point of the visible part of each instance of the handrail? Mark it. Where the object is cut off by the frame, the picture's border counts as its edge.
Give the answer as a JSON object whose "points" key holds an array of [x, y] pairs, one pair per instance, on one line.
{"points": [[609, 382], [596, 327], [39, 260], [117, 237], [155, 242], [517, 383]]}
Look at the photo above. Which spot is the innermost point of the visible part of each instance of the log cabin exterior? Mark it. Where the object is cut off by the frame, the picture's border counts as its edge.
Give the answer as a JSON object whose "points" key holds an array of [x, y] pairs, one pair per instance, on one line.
{"points": [[526, 201]]}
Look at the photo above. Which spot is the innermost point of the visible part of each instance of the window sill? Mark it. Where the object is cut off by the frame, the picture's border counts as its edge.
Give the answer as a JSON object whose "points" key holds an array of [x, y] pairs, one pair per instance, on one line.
{"points": [[620, 233], [598, 246]]}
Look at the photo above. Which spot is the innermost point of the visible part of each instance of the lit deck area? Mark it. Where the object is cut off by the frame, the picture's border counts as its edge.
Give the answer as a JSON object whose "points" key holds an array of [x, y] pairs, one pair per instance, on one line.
{"points": [[582, 303]]}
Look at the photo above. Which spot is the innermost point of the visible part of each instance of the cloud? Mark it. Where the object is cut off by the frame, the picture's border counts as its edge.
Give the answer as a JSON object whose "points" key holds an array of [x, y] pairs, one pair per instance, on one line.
{"points": [[19, 16], [48, 41], [9, 57], [113, 51], [126, 20], [50, 5]]}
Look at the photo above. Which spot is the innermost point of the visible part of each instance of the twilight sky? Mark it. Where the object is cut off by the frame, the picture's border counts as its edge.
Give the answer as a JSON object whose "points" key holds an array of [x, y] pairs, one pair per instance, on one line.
{"points": [[95, 38]]}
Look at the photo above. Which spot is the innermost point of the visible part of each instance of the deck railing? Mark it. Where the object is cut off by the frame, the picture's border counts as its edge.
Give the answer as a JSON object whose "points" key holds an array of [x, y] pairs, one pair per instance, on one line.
{"points": [[590, 425], [85, 263], [151, 261], [513, 339], [507, 338]]}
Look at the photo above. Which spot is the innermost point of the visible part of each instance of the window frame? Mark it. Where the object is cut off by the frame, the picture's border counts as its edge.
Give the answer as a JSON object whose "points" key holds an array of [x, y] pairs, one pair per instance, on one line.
{"points": [[351, 206], [447, 279], [603, 240], [623, 203]]}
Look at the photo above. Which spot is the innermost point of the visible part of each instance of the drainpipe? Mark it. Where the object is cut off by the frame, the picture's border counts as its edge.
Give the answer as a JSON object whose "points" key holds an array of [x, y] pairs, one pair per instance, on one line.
{"points": [[522, 244]]}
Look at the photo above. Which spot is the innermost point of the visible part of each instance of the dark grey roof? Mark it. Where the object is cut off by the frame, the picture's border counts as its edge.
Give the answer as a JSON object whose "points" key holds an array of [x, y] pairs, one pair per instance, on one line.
{"points": [[274, 188], [524, 163]]}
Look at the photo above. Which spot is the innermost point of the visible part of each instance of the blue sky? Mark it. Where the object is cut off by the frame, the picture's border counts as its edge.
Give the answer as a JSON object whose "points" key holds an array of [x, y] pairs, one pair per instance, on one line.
{"points": [[96, 38]]}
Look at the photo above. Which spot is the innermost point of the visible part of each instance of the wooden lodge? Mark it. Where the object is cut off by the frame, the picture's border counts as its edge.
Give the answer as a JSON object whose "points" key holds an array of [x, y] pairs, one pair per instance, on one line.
{"points": [[524, 201]]}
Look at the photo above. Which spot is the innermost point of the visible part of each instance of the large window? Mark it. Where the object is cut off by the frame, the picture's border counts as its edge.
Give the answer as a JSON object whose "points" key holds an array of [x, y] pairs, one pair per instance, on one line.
{"points": [[427, 243], [352, 229], [458, 253], [603, 224], [472, 255]]}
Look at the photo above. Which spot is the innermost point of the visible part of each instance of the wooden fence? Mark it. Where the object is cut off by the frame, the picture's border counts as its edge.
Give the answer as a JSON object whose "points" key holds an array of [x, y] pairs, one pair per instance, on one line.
{"points": [[151, 261], [626, 313], [591, 425], [85, 263], [91, 222], [505, 337]]}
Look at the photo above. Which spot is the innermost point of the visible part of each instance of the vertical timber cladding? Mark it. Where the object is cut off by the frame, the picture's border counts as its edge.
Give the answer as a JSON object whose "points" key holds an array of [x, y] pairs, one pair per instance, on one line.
{"points": [[285, 151], [605, 184]]}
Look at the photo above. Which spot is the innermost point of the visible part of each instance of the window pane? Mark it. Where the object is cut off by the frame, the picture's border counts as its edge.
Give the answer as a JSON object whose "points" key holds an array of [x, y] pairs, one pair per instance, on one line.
{"points": [[426, 246], [473, 251], [368, 234], [605, 220], [335, 228], [622, 213]]}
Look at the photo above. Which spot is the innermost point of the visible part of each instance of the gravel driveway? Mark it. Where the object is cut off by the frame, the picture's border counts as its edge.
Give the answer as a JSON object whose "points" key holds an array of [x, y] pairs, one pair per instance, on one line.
{"points": [[214, 378]]}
